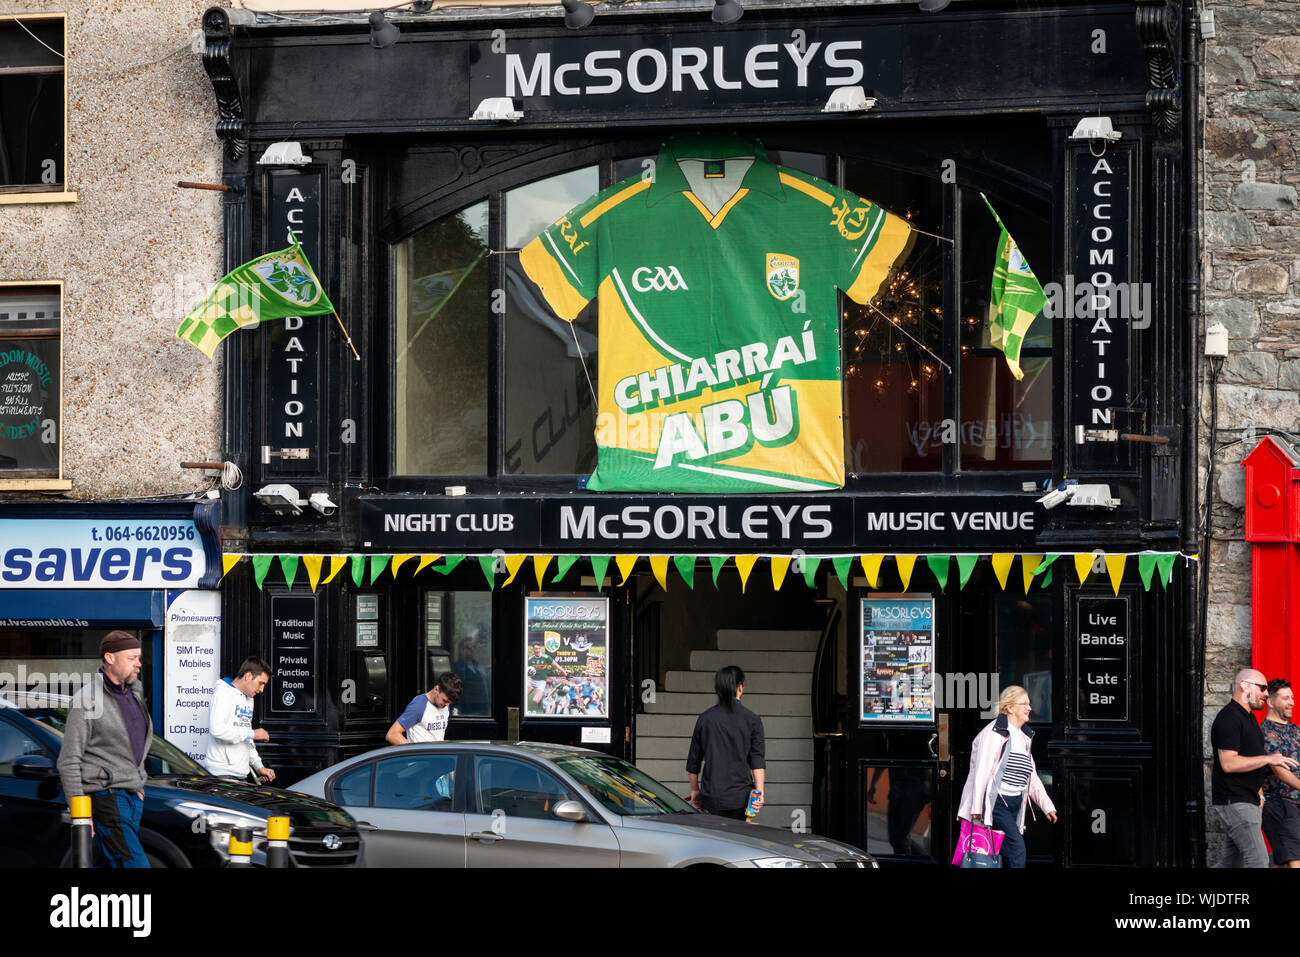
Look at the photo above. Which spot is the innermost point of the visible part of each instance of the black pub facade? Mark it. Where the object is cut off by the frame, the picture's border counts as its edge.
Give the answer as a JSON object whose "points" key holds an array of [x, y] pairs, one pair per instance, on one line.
{"points": [[452, 526]]}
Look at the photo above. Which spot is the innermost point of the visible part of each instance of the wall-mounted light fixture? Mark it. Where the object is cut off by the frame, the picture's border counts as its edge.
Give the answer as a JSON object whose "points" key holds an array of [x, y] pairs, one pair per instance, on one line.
{"points": [[932, 6], [497, 109], [288, 153], [577, 14], [1095, 128], [849, 99], [727, 11], [382, 33]]}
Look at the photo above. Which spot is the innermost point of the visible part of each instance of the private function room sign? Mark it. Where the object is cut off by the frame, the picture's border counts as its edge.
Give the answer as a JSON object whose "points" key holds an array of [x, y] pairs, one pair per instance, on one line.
{"points": [[715, 277]]}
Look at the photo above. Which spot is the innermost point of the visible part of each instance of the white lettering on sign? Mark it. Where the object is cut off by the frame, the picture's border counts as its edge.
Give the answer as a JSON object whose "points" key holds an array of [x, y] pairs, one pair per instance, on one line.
{"points": [[1101, 334], [697, 522], [920, 521]]}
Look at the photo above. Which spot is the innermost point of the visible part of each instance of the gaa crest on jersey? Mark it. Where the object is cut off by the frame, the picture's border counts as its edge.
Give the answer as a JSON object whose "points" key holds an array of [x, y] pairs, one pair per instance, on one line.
{"points": [[782, 275]]}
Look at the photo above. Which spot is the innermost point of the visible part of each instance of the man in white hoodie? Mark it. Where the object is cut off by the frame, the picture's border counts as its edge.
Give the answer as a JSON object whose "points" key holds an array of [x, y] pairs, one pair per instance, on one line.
{"points": [[231, 750]]}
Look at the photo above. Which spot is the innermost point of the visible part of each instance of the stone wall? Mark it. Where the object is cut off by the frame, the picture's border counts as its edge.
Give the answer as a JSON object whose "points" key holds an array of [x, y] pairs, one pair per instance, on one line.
{"points": [[1252, 286], [136, 400]]}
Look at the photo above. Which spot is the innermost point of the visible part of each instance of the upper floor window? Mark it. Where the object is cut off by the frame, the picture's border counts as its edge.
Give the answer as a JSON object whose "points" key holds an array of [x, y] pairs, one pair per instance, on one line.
{"points": [[32, 105], [30, 380]]}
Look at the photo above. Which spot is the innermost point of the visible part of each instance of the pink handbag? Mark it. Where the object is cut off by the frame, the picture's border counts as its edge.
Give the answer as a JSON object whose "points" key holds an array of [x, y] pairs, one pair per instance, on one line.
{"points": [[979, 838]]}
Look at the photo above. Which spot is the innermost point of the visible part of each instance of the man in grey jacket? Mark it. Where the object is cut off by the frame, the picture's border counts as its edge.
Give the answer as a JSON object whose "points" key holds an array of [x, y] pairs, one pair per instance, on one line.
{"points": [[105, 743]]}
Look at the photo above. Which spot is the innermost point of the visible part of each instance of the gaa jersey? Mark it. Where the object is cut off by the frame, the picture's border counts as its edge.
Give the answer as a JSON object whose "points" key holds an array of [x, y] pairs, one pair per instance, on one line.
{"points": [[715, 280]]}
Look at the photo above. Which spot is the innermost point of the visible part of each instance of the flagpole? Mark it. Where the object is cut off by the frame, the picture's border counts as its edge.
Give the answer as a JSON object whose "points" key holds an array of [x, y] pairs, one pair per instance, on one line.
{"points": [[346, 335]]}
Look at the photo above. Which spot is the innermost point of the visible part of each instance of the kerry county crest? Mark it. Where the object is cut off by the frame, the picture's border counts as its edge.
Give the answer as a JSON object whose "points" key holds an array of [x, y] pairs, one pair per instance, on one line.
{"points": [[287, 275], [782, 275]]}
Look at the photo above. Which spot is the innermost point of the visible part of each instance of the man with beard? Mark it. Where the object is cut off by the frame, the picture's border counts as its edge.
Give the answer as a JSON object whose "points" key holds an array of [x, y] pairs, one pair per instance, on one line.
{"points": [[1281, 816], [1240, 769]]}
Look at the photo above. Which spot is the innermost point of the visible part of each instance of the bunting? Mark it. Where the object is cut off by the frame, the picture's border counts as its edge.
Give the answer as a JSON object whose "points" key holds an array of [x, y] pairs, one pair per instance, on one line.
{"points": [[871, 568], [513, 564], [312, 563], [685, 565], [599, 565], [780, 565], [625, 565], [1115, 568], [336, 564], [1002, 563], [939, 568], [562, 566], [810, 564], [965, 565], [658, 565], [228, 562], [744, 565], [842, 564], [289, 566], [540, 564], [717, 561], [905, 565], [261, 565]]}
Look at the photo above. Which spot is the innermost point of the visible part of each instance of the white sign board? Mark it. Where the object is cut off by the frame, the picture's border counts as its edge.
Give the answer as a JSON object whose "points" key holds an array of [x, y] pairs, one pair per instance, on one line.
{"points": [[193, 640], [100, 553]]}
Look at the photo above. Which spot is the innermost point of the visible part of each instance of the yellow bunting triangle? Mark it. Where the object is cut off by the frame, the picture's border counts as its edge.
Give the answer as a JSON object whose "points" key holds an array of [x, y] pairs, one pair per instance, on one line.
{"points": [[228, 562], [1115, 568], [659, 565], [905, 564], [871, 568], [425, 562], [780, 565], [745, 565], [1027, 565], [1083, 564], [540, 564], [1002, 567], [336, 565], [513, 564], [625, 564], [398, 561], [312, 563]]}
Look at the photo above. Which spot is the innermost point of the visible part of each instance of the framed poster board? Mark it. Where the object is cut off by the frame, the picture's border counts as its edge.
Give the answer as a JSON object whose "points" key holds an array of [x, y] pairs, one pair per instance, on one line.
{"points": [[566, 657], [897, 654]]}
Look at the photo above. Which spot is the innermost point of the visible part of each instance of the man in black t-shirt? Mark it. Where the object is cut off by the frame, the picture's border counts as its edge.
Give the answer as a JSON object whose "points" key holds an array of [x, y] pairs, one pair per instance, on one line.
{"points": [[1240, 769]]}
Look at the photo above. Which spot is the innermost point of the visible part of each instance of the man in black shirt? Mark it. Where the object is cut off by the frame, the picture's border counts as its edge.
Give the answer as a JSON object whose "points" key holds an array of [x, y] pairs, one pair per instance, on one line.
{"points": [[1240, 769], [728, 745]]}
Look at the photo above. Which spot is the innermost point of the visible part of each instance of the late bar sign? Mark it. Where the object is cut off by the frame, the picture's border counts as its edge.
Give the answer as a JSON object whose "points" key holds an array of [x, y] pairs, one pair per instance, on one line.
{"points": [[1102, 657]]}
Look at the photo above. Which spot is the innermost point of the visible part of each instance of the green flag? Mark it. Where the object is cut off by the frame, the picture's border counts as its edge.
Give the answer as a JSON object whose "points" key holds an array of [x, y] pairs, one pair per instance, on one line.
{"points": [[274, 286], [1015, 299]]}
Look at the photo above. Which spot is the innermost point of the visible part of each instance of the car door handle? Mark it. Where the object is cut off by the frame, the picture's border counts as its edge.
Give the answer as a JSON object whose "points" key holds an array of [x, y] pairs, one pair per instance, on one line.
{"points": [[488, 836]]}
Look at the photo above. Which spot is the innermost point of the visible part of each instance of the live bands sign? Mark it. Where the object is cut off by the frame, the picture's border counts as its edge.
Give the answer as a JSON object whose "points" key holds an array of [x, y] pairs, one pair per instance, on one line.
{"points": [[700, 524]]}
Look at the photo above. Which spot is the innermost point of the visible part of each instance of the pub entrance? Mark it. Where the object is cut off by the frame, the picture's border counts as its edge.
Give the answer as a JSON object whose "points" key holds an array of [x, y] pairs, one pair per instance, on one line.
{"points": [[924, 672]]}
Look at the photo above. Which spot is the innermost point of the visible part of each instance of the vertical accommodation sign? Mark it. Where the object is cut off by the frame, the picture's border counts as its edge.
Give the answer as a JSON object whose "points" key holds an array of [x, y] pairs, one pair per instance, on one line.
{"points": [[292, 366], [1102, 299]]}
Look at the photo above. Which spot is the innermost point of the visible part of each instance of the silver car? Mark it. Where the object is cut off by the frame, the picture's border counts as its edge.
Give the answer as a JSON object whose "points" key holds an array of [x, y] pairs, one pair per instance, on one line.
{"points": [[481, 804]]}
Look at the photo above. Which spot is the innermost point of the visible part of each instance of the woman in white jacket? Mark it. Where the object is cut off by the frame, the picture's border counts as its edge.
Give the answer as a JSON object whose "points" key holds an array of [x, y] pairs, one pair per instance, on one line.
{"points": [[1002, 773]]}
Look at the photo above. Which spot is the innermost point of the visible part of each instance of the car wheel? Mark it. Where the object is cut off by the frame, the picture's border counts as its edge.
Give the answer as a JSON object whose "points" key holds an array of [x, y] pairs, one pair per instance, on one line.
{"points": [[156, 861]]}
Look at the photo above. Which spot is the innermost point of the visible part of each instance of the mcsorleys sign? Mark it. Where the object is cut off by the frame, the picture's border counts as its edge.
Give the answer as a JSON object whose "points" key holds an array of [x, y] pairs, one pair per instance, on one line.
{"points": [[685, 69], [699, 524]]}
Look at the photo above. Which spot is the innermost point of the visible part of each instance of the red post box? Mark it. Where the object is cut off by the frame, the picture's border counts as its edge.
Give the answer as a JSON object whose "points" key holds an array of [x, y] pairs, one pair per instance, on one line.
{"points": [[1273, 530]]}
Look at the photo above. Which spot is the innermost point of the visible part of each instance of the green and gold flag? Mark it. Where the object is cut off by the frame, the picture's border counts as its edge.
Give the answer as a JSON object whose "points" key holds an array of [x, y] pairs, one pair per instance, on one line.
{"points": [[1016, 298], [274, 286]]}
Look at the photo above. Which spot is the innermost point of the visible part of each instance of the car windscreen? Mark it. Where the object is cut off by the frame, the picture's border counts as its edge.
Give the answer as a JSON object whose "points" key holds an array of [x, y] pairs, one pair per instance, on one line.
{"points": [[164, 757], [621, 787]]}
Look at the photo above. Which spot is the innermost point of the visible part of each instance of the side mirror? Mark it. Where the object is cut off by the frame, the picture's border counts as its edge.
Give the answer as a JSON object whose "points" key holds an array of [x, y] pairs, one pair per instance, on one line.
{"points": [[570, 811], [35, 767]]}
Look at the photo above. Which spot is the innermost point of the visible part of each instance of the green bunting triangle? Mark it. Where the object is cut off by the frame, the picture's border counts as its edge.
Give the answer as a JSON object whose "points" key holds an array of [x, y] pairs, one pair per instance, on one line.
{"points": [[378, 565], [1166, 565], [842, 565], [1047, 579], [1146, 565], [289, 565], [562, 565], [599, 563], [261, 565], [448, 563], [810, 566], [965, 565], [717, 561], [358, 569], [489, 565], [939, 565], [1045, 564], [686, 568]]}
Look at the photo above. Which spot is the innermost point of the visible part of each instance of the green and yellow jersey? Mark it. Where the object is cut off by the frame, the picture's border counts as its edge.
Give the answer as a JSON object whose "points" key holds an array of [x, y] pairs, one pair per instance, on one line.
{"points": [[719, 337]]}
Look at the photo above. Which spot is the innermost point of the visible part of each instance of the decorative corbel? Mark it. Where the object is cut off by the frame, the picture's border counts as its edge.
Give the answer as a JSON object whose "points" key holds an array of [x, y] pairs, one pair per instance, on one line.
{"points": [[217, 31], [1158, 29]]}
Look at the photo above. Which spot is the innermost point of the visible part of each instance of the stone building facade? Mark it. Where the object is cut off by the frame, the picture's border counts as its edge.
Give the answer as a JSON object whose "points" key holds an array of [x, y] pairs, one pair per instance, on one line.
{"points": [[1252, 286]]}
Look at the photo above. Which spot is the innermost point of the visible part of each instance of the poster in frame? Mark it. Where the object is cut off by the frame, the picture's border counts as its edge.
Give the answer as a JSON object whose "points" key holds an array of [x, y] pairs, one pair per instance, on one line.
{"points": [[897, 654], [566, 657]]}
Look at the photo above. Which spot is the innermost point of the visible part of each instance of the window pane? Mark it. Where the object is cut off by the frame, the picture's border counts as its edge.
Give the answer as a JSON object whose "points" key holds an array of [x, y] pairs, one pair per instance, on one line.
{"points": [[442, 347], [31, 104], [517, 788], [29, 381], [815, 164], [472, 652], [898, 810], [893, 383], [353, 788], [1006, 423], [550, 415], [1025, 631], [531, 208], [422, 782]]}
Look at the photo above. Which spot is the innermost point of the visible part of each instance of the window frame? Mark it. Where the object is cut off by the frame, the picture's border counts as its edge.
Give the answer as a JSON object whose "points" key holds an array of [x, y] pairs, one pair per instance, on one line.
{"points": [[41, 483], [33, 193]]}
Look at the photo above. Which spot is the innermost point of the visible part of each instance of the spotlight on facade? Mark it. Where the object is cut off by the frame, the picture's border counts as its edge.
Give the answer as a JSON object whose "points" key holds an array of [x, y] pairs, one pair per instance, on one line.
{"points": [[932, 6], [1095, 128], [849, 99], [727, 11], [382, 33], [284, 154], [577, 14], [280, 498], [497, 109]]}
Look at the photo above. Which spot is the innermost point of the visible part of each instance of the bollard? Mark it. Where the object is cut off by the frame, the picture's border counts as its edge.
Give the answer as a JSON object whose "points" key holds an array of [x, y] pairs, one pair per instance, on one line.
{"points": [[277, 842], [83, 848], [241, 847]]}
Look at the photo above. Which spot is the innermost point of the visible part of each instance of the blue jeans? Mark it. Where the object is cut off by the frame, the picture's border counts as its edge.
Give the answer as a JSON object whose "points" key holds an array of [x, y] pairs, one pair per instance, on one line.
{"points": [[116, 813], [1005, 812]]}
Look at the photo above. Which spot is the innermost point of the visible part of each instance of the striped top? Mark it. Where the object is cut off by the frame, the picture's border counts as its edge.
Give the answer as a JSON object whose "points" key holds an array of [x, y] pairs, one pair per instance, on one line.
{"points": [[1015, 779]]}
